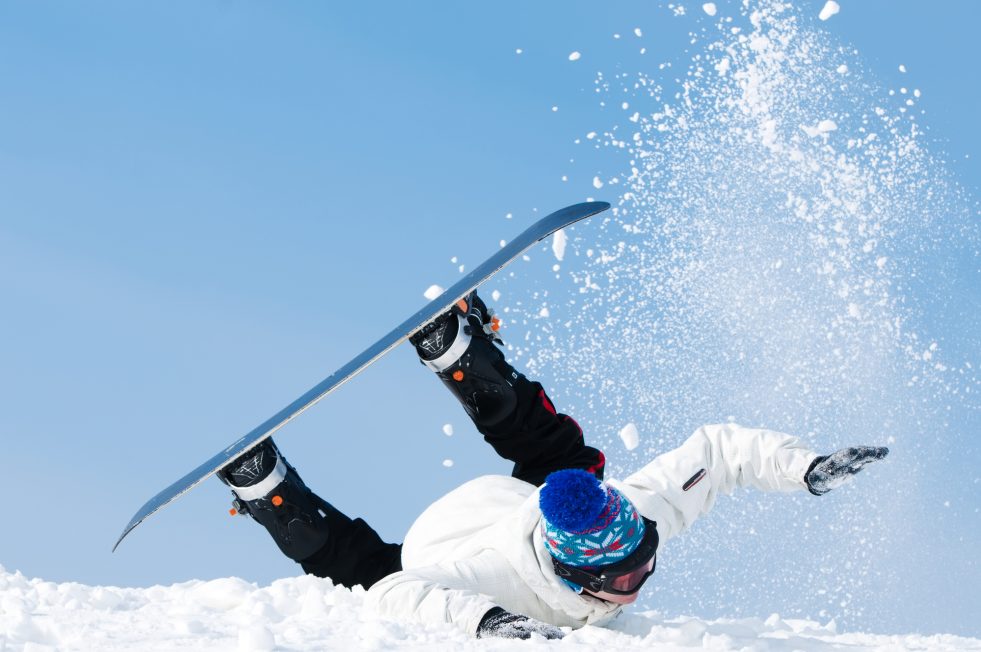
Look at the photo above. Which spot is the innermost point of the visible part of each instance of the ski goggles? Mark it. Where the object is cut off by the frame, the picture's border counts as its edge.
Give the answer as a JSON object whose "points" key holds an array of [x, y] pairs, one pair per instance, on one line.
{"points": [[622, 578]]}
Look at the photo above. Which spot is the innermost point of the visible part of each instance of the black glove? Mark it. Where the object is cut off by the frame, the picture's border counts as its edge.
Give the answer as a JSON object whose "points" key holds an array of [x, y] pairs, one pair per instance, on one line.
{"points": [[504, 624], [831, 471]]}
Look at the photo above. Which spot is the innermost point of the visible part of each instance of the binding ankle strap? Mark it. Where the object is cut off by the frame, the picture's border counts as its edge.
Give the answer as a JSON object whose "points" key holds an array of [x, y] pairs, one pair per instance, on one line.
{"points": [[456, 350], [264, 486]]}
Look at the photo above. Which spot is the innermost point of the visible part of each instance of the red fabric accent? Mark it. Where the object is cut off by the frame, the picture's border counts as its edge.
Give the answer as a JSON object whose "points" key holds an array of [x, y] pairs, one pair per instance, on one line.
{"points": [[599, 465], [609, 513], [613, 547], [547, 403]]}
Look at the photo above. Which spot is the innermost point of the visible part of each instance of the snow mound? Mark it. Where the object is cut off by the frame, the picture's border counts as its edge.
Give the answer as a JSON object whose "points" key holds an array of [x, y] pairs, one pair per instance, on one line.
{"points": [[308, 613]]}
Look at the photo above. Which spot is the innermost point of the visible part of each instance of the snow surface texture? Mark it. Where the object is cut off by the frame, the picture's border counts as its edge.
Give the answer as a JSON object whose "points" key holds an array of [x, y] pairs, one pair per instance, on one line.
{"points": [[775, 214], [307, 613]]}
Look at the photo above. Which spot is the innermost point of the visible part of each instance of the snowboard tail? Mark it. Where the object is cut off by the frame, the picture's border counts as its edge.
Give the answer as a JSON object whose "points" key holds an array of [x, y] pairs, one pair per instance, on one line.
{"points": [[536, 232]]}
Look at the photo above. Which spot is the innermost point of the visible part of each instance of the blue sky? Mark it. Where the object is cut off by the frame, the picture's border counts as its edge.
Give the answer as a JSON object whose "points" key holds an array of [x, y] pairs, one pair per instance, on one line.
{"points": [[206, 208]]}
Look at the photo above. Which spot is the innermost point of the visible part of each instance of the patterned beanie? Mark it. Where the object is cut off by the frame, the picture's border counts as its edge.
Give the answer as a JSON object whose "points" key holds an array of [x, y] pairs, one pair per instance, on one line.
{"points": [[586, 522]]}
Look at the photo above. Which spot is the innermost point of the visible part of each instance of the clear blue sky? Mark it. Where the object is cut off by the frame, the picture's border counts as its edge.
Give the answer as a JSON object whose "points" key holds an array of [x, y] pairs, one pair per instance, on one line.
{"points": [[207, 207]]}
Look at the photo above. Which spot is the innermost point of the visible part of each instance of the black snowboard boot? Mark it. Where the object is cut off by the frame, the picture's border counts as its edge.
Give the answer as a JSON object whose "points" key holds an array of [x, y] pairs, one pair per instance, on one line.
{"points": [[460, 347], [269, 490]]}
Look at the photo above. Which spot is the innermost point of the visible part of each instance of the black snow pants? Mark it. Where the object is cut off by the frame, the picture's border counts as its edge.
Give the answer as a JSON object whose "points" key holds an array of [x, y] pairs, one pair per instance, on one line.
{"points": [[535, 437]]}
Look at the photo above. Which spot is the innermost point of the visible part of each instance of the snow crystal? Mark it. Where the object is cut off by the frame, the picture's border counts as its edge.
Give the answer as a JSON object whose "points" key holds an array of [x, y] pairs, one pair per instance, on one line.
{"points": [[559, 241], [496, 295], [709, 8], [518, 51], [637, 32], [591, 135], [902, 68], [597, 183], [629, 436], [544, 312], [554, 109], [574, 56], [503, 243], [433, 291], [448, 429], [830, 9], [843, 68], [447, 463], [822, 127]]}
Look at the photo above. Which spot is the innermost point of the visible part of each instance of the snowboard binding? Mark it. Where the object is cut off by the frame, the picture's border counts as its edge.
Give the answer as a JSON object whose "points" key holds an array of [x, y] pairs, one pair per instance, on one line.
{"points": [[460, 347], [268, 488]]}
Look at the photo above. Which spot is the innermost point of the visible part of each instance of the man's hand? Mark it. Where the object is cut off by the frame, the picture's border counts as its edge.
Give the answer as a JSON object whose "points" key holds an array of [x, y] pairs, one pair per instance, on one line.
{"points": [[504, 624], [831, 471]]}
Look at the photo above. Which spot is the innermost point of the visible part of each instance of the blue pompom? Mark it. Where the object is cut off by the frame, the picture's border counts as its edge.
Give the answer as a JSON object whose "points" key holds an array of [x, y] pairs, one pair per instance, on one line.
{"points": [[572, 500]]}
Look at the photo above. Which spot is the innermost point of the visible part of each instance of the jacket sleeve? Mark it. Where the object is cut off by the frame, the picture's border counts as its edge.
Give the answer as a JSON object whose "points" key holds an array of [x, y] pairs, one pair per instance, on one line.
{"points": [[679, 486], [450, 592]]}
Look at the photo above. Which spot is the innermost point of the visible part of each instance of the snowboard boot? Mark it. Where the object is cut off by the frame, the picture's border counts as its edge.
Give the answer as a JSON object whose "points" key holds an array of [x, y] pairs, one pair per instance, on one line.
{"points": [[269, 489], [460, 347]]}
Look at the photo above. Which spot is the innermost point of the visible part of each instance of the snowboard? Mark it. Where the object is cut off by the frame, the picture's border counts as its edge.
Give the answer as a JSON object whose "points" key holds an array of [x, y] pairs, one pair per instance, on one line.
{"points": [[534, 233]]}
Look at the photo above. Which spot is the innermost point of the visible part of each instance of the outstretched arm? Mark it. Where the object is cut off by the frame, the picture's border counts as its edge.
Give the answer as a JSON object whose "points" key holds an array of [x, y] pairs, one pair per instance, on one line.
{"points": [[679, 486]]}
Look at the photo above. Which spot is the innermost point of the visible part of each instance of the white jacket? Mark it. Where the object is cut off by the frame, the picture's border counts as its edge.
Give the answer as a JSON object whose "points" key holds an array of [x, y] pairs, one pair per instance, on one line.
{"points": [[480, 546]]}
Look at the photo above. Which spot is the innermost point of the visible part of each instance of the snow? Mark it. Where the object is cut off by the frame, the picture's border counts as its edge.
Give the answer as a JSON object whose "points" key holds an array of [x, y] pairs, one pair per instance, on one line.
{"points": [[574, 56], [597, 183], [637, 32], [822, 127], [682, 313], [830, 9], [709, 8], [559, 241], [447, 463], [309, 613], [629, 436], [448, 429], [433, 291]]}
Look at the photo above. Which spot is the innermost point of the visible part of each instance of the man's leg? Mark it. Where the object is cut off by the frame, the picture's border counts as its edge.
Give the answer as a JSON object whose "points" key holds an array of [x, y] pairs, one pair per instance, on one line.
{"points": [[512, 413], [307, 529]]}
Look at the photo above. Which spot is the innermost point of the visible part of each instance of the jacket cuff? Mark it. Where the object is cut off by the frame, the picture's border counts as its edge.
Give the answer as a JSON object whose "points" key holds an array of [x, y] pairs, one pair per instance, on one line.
{"points": [[817, 460]]}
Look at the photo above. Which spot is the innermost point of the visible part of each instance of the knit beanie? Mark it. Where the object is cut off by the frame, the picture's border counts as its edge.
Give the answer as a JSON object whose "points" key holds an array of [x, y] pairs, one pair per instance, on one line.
{"points": [[587, 523]]}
